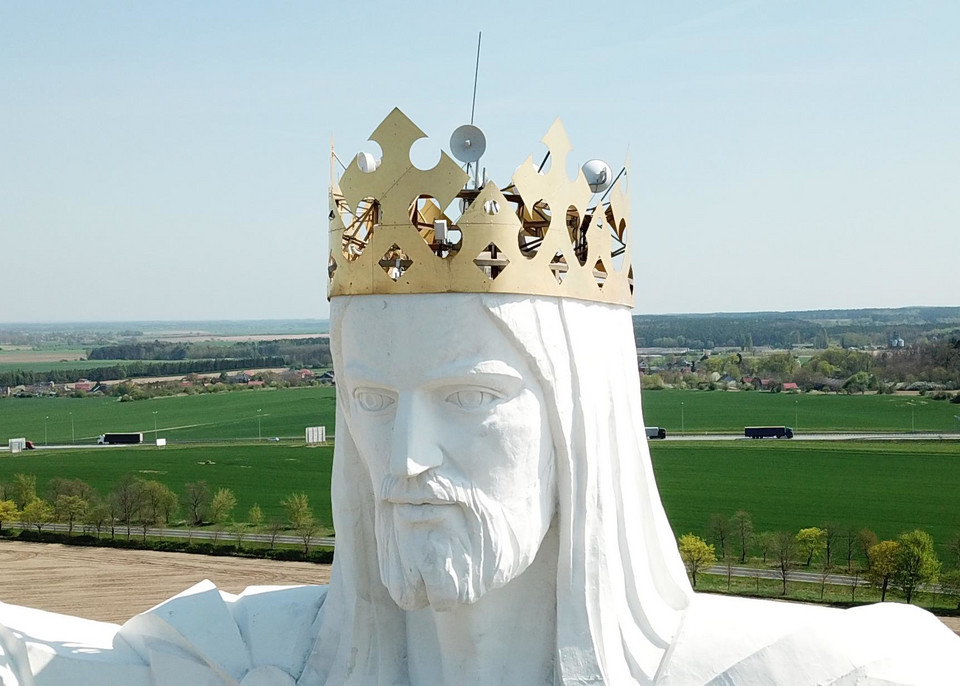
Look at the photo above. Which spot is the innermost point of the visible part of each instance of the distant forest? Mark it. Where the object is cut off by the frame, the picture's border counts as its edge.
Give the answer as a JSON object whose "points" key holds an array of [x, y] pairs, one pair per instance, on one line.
{"points": [[156, 358], [290, 351], [817, 328]]}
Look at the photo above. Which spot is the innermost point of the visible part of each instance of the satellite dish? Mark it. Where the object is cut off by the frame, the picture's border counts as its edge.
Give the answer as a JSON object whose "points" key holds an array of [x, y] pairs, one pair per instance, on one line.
{"points": [[598, 174], [367, 162], [468, 143]]}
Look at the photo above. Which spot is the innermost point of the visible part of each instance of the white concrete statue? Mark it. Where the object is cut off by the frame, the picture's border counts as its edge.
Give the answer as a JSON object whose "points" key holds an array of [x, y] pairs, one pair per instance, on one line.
{"points": [[497, 523]]}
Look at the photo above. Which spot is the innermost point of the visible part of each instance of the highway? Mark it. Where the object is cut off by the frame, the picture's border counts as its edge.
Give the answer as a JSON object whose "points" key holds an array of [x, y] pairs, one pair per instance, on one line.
{"points": [[688, 436], [833, 436]]}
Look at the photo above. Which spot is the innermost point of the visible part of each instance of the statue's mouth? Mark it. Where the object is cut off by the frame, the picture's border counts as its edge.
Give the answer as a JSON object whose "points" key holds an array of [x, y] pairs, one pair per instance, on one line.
{"points": [[422, 513], [410, 499]]}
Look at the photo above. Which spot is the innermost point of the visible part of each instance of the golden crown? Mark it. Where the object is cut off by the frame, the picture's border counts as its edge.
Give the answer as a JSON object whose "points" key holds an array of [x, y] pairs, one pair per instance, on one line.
{"points": [[541, 235]]}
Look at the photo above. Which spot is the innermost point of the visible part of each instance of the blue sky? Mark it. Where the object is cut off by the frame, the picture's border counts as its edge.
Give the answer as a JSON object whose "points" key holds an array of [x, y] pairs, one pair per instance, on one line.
{"points": [[169, 160]]}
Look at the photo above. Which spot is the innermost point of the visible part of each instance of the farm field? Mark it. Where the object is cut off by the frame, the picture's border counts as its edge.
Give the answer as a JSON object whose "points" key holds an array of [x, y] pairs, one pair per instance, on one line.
{"points": [[13, 357], [216, 416], [59, 364], [263, 473], [729, 411], [285, 412], [890, 487]]}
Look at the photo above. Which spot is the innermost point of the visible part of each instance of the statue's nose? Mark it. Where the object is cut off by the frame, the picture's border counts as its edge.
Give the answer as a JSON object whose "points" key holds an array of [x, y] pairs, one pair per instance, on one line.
{"points": [[416, 431]]}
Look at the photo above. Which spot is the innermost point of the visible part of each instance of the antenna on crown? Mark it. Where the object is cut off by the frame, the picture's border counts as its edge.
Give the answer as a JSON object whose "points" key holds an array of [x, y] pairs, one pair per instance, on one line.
{"points": [[467, 143]]}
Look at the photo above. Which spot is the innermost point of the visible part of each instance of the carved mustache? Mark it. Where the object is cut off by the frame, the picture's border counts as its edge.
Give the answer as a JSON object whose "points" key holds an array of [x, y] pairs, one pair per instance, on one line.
{"points": [[423, 489]]}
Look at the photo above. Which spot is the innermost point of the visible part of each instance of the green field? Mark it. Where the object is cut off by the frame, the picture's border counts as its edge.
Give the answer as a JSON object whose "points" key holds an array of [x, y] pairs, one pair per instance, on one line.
{"points": [[889, 487], [215, 416], [286, 412], [262, 473], [726, 411], [60, 365]]}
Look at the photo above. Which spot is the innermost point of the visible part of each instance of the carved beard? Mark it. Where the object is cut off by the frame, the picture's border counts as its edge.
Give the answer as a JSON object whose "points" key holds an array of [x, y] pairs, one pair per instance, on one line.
{"points": [[447, 554]]}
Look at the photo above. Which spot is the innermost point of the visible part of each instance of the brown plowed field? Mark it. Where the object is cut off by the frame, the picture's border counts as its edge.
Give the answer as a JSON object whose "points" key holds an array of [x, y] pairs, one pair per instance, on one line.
{"points": [[113, 585]]}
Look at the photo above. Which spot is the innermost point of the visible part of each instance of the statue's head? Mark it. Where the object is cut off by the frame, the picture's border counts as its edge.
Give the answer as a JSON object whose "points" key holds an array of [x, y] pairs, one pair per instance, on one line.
{"points": [[451, 424], [488, 400]]}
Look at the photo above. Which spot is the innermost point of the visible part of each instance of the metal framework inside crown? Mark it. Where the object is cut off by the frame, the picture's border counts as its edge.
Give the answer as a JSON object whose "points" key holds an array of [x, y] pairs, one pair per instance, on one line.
{"points": [[391, 229]]}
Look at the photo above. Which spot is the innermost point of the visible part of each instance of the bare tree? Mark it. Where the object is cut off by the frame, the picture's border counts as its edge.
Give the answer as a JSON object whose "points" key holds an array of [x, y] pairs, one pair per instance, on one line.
{"points": [[834, 533], [850, 543], [126, 500], [274, 527], [742, 525], [785, 548], [824, 575], [720, 529], [196, 499]]}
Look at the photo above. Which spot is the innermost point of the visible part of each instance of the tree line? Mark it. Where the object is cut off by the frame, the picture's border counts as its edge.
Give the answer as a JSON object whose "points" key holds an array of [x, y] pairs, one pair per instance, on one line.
{"points": [[845, 328], [135, 369], [137, 505], [902, 565], [310, 351]]}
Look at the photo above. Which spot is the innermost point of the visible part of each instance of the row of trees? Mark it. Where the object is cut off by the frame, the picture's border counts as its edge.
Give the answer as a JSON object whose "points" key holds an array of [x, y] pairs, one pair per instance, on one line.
{"points": [[782, 330], [133, 369], [142, 504], [904, 564], [304, 351]]}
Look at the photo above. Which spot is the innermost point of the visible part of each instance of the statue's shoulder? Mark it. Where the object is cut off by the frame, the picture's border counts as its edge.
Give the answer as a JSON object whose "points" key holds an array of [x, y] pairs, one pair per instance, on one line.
{"points": [[739, 640], [202, 636]]}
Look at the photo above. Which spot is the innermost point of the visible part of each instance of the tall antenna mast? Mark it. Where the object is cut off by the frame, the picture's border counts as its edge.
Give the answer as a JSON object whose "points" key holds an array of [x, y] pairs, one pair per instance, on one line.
{"points": [[476, 73]]}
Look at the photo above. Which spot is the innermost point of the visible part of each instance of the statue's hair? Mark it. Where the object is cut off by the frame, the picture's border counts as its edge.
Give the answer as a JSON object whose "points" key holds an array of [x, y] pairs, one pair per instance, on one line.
{"points": [[621, 585]]}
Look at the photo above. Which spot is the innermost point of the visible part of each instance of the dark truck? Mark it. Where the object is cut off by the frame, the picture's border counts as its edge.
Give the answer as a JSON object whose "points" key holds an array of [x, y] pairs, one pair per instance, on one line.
{"points": [[120, 439], [768, 432], [656, 432]]}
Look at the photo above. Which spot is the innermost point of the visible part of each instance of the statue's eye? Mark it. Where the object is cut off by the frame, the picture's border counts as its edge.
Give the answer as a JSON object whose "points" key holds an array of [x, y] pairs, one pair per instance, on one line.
{"points": [[372, 401], [472, 398]]}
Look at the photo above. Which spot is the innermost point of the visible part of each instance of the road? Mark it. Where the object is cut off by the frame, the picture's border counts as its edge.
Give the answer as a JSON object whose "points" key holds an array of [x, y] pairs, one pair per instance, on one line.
{"points": [[794, 575], [225, 536], [835, 436]]}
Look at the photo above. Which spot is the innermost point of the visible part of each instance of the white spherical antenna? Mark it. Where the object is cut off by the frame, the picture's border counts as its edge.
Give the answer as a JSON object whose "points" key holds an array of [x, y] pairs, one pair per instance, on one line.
{"points": [[598, 174], [468, 143], [367, 162]]}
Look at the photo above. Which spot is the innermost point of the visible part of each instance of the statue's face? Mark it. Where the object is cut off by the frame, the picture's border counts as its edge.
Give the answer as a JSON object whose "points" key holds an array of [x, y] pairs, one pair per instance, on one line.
{"points": [[451, 422]]}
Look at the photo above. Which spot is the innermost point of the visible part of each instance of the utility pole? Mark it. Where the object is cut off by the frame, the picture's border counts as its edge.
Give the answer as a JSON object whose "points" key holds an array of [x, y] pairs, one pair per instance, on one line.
{"points": [[259, 433], [73, 433]]}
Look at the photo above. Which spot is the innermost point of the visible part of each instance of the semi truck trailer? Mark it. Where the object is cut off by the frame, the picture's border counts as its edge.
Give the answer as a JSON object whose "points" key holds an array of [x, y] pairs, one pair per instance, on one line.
{"points": [[120, 439], [768, 432]]}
